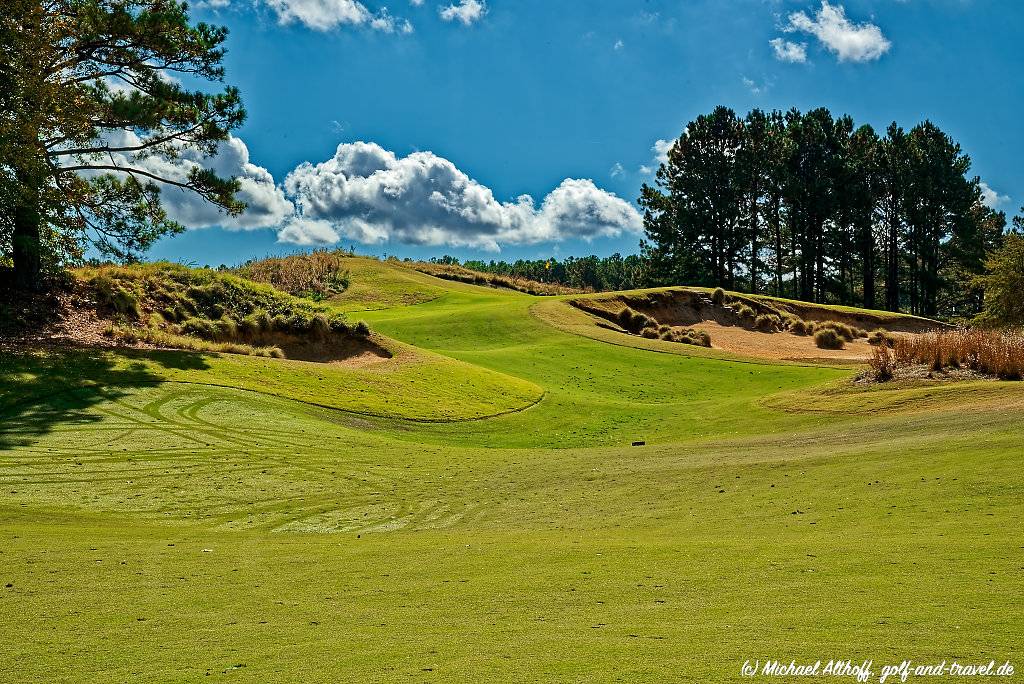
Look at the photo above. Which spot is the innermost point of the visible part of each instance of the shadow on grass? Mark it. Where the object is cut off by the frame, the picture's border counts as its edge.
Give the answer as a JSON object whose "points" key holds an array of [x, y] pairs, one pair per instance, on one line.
{"points": [[41, 389]]}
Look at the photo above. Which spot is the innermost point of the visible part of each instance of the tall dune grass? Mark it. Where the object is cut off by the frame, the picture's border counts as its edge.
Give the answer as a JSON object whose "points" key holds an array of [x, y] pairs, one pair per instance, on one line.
{"points": [[999, 353], [317, 275]]}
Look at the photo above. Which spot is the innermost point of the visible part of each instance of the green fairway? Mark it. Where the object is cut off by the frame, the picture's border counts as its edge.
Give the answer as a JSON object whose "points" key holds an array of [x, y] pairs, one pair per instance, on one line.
{"points": [[473, 510]]}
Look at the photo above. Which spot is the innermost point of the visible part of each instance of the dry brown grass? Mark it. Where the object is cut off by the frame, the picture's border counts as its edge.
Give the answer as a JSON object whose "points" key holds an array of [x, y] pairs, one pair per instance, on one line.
{"points": [[882, 363], [159, 338], [318, 275], [829, 338], [998, 353]]}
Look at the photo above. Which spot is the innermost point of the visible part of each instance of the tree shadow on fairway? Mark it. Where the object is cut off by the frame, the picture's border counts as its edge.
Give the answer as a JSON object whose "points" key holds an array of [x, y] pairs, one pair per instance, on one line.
{"points": [[41, 389]]}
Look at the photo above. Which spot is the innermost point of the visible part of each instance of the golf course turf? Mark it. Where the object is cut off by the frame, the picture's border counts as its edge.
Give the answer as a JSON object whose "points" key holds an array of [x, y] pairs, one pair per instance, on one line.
{"points": [[473, 510]]}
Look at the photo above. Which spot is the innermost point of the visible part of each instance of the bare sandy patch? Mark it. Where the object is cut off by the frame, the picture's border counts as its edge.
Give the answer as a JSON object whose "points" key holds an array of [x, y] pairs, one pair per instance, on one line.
{"points": [[779, 346]]}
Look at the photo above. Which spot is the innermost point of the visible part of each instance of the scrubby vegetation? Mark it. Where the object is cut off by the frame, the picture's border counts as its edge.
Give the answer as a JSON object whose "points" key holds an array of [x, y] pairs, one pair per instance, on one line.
{"points": [[798, 326], [743, 310], [130, 335], [882, 363], [845, 332], [698, 338], [633, 321], [684, 308], [767, 322], [829, 338], [172, 305], [638, 323], [881, 338], [997, 353], [452, 271], [317, 275]]}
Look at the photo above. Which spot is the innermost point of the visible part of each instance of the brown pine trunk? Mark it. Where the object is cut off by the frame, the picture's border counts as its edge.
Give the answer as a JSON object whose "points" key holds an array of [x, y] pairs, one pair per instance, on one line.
{"points": [[869, 267], [26, 247], [892, 270], [778, 245]]}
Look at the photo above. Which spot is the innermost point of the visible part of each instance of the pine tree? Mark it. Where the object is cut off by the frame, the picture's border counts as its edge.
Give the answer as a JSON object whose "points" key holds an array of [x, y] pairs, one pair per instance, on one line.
{"points": [[90, 93]]}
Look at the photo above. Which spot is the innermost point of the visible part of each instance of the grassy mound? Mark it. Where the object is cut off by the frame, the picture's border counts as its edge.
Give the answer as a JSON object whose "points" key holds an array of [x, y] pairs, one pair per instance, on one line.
{"points": [[170, 305], [376, 284]]}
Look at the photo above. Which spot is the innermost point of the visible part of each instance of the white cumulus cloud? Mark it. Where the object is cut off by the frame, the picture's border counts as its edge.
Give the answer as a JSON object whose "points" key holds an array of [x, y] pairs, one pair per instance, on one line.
{"points": [[850, 42], [464, 11], [786, 51], [661, 148], [267, 205], [308, 232], [370, 195], [990, 198], [324, 15]]}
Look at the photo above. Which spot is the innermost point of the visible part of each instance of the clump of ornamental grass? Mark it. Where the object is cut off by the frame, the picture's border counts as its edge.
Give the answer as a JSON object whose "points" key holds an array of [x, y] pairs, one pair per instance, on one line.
{"points": [[828, 338], [882, 362], [744, 311], [845, 332], [634, 321], [881, 338], [718, 296], [698, 338], [767, 322]]}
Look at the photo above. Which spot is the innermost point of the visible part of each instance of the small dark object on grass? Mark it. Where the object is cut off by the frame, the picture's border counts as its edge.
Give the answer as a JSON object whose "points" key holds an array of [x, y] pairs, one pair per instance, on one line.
{"points": [[639, 443]]}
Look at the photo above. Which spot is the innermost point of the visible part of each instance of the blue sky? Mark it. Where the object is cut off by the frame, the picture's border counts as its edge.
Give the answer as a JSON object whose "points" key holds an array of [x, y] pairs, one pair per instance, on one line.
{"points": [[562, 101]]}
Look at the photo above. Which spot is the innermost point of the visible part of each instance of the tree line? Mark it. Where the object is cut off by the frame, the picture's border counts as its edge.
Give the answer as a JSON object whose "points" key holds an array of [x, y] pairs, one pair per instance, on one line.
{"points": [[614, 272], [812, 207]]}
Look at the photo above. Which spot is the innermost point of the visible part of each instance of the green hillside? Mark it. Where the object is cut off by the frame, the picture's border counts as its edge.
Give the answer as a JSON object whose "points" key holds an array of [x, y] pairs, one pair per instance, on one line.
{"points": [[472, 509]]}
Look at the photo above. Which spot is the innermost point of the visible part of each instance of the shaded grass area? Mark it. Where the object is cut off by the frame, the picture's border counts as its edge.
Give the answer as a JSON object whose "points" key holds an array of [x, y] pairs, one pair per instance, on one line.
{"points": [[417, 385], [779, 512]]}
